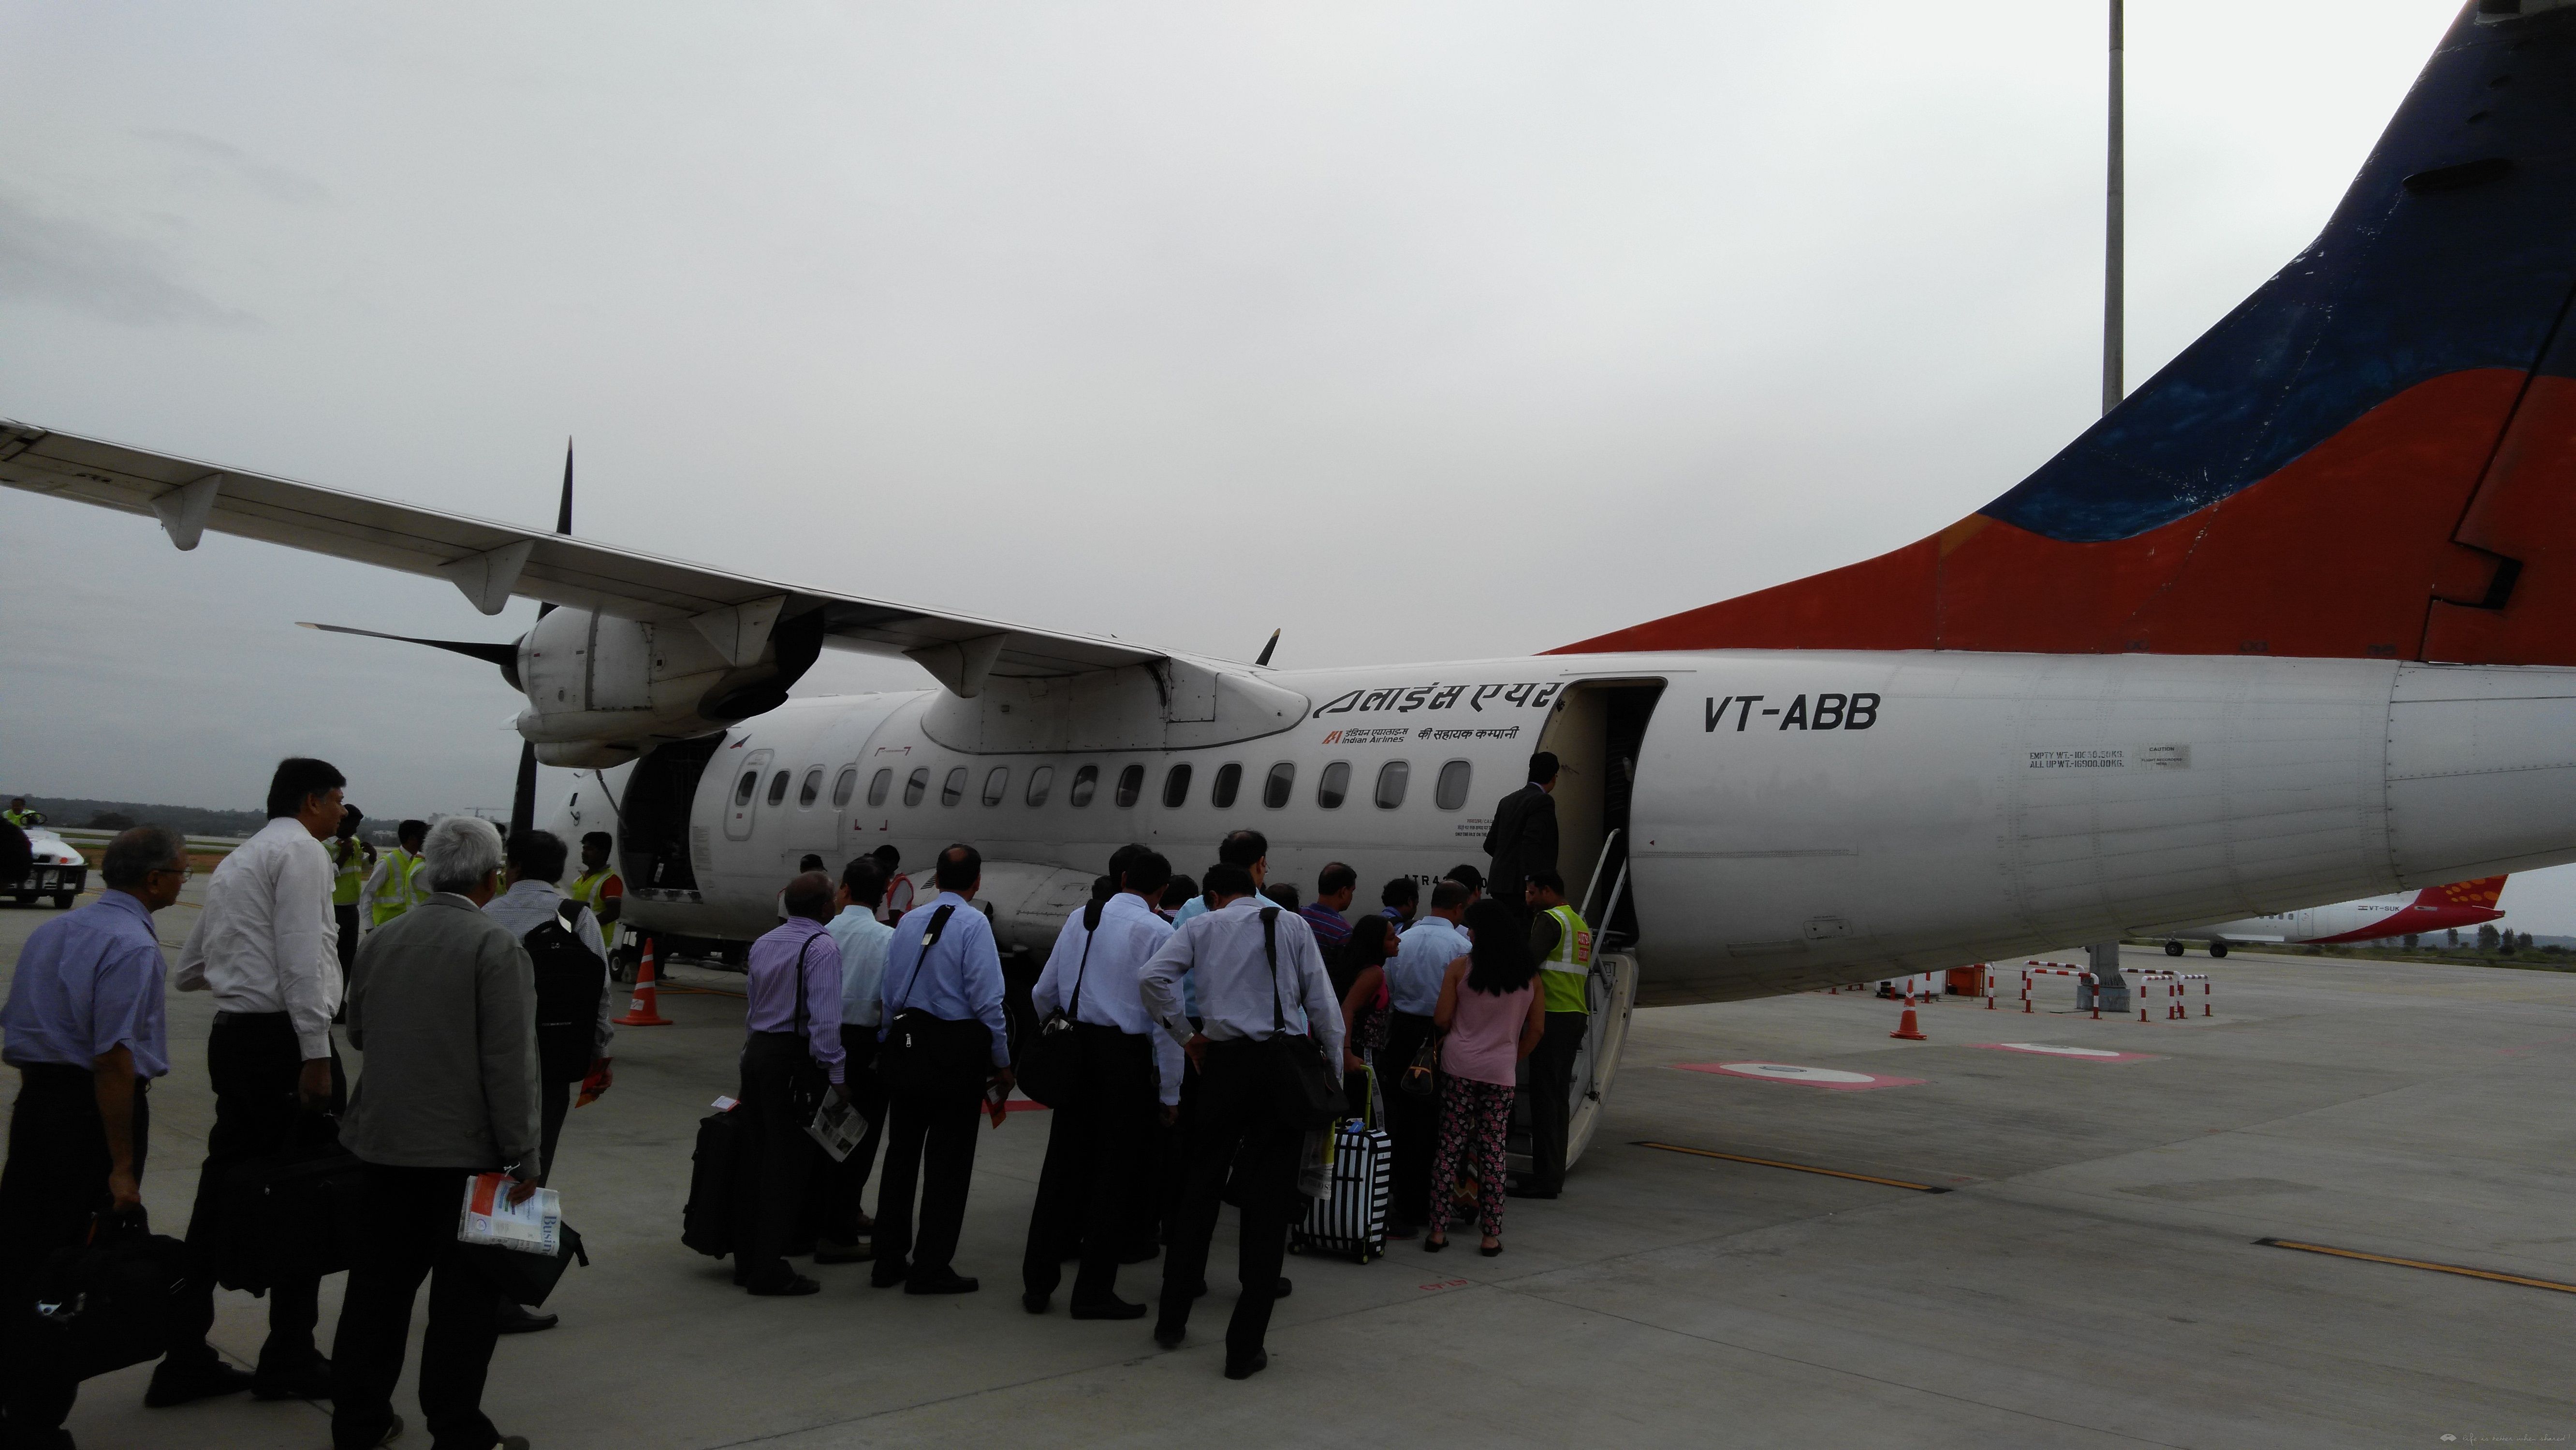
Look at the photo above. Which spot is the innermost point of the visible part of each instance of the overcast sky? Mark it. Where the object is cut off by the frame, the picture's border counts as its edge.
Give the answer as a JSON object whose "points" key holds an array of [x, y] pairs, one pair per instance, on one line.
{"points": [[1423, 331]]}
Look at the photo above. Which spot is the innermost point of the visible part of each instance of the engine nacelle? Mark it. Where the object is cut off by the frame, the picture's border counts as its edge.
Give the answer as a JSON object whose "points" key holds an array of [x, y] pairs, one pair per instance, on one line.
{"points": [[602, 690]]}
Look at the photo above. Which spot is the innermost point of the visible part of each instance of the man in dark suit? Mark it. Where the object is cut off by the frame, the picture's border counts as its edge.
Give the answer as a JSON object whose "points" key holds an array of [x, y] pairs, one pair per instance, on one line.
{"points": [[1523, 839]]}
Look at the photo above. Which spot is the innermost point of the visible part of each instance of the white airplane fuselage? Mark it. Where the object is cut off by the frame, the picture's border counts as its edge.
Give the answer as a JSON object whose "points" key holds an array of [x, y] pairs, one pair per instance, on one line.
{"points": [[1795, 817]]}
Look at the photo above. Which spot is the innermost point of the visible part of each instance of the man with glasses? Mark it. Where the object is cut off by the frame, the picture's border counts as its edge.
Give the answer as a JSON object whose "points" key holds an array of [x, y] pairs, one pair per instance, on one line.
{"points": [[85, 1029]]}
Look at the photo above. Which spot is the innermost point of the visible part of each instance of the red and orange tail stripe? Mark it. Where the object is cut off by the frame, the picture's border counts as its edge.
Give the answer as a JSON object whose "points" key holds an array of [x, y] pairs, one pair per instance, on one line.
{"points": [[2482, 892]]}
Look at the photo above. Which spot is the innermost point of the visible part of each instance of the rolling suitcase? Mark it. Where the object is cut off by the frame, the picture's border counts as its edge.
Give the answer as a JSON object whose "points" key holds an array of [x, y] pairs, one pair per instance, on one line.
{"points": [[1351, 1219], [706, 1223]]}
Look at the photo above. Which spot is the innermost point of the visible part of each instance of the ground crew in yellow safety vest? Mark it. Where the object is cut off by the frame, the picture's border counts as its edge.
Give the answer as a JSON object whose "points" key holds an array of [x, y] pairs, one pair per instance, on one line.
{"points": [[350, 858], [1562, 942], [600, 888], [391, 890], [18, 815]]}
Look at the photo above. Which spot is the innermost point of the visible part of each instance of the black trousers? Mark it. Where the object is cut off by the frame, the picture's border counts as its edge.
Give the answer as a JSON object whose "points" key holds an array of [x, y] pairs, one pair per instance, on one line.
{"points": [[554, 1101], [409, 1233], [838, 1185], [56, 1179], [1088, 1190], [1235, 1128], [1551, 1093], [253, 1060], [769, 1193], [1167, 1166], [1412, 1121], [347, 917], [930, 1142]]}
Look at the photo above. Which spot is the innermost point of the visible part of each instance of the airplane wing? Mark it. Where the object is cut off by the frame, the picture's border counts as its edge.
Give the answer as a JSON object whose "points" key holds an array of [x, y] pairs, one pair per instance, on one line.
{"points": [[492, 562]]}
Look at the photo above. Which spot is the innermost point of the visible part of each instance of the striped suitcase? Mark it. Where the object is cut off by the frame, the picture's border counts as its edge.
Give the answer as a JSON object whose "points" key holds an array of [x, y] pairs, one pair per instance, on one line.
{"points": [[1352, 1218]]}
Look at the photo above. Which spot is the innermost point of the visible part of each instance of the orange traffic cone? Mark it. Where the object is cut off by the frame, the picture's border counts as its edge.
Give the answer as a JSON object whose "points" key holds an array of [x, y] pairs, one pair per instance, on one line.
{"points": [[1905, 1026], [640, 1011]]}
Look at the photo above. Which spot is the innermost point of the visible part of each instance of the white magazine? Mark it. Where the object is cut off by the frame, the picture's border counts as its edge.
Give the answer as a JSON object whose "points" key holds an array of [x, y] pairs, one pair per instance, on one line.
{"points": [[533, 1226]]}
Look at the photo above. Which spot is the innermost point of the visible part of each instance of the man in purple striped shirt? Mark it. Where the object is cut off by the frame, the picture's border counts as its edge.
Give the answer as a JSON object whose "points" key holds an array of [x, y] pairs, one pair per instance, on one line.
{"points": [[795, 1043], [1334, 887]]}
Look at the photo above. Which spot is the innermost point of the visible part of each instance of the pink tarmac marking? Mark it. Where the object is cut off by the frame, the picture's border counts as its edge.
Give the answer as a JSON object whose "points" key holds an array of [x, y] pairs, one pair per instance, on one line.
{"points": [[1831, 1078], [2076, 1054]]}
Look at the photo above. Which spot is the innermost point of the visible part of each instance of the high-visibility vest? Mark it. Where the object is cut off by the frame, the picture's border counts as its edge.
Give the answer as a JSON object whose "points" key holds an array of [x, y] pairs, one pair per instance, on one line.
{"points": [[402, 891], [349, 875], [586, 890], [1568, 965], [24, 819]]}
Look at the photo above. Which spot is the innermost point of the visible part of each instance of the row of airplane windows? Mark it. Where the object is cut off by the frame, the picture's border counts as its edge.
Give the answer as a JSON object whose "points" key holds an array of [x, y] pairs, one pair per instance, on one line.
{"points": [[1332, 787]]}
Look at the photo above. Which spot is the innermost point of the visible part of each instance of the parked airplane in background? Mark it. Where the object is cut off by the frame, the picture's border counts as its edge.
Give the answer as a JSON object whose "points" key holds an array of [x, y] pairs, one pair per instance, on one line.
{"points": [[2375, 918], [2291, 624]]}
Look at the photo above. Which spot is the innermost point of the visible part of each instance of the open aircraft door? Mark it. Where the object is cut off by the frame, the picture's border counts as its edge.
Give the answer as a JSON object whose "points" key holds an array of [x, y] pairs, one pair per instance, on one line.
{"points": [[1597, 731]]}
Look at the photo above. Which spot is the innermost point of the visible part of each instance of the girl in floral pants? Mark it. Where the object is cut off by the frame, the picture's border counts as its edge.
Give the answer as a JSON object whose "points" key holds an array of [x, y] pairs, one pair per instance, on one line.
{"points": [[1475, 1119]]}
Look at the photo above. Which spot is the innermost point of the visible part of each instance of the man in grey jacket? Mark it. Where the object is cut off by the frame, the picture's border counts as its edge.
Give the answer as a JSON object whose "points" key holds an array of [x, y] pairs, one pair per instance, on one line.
{"points": [[443, 1003]]}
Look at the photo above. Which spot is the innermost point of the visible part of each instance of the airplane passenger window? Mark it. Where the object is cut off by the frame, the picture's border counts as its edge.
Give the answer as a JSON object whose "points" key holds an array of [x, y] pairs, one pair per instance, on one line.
{"points": [[997, 784], [1229, 779], [1392, 778], [878, 785], [1085, 781], [1176, 786], [1453, 785], [843, 785], [1334, 786], [1041, 780], [812, 788], [1283, 778], [953, 789], [1131, 784], [914, 785], [742, 789], [778, 787]]}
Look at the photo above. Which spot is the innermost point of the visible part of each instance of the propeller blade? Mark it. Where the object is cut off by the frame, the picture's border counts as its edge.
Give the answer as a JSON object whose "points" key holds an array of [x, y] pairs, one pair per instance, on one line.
{"points": [[504, 655], [563, 513], [523, 799], [1267, 648]]}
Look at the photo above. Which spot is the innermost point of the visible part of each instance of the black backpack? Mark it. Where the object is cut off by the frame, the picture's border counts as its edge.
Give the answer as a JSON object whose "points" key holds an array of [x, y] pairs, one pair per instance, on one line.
{"points": [[570, 980]]}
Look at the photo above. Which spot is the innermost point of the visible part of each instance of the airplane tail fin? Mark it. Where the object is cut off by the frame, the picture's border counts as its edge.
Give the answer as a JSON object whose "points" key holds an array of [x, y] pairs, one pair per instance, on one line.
{"points": [[2374, 456], [2481, 894]]}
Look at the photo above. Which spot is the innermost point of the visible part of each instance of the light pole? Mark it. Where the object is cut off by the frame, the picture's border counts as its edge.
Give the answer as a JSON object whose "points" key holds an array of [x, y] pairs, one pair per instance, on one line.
{"points": [[2112, 225]]}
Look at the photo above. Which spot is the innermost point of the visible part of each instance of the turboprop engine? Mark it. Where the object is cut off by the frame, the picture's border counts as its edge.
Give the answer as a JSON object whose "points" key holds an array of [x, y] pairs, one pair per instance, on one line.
{"points": [[602, 690]]}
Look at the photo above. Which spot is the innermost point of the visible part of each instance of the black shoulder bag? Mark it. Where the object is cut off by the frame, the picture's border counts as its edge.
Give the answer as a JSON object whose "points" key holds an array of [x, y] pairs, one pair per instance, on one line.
{"points": [[924, 1054], [1050, 1071], [1304, 1090], [805, 1086]]}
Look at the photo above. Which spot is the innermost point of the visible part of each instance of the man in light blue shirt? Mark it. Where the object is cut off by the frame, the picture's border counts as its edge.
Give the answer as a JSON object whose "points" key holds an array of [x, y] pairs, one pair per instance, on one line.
{"points": [[863, 941], [930, 1137], [84, 1027], [1413, 974]]}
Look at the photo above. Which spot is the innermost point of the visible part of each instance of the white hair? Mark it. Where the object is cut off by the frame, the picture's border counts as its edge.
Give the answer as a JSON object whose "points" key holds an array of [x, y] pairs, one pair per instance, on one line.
{"points": [[461, 853]]}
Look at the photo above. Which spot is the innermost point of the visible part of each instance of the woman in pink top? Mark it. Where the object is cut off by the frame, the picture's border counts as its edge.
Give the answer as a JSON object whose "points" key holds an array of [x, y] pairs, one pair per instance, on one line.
{"points": [[1492, 1015]]}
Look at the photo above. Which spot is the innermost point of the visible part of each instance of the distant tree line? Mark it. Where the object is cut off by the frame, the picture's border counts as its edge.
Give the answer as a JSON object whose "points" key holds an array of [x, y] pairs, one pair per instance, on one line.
{"points": [[118, 815]]}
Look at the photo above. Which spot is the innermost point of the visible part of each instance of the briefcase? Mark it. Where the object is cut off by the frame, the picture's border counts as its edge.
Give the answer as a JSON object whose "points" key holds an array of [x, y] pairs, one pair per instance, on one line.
{"points": [[293, 1214], [706, 1222], [526, 1278], [118, 1299]]}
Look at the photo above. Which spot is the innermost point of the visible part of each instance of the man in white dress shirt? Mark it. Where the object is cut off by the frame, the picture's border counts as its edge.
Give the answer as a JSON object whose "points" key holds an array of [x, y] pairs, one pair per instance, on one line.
{"points": [[1126, 1076], [1236, 1121], [265, 944]]}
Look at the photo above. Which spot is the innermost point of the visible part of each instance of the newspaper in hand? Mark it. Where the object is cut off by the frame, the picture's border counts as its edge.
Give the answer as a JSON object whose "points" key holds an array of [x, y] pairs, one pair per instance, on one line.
{"points": [[532, 1226], [837, 1126]]}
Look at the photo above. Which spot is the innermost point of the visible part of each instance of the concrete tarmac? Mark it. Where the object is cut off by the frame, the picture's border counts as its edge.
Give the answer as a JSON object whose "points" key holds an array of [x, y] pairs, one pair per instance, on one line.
{"points": [[2092, 1276]]}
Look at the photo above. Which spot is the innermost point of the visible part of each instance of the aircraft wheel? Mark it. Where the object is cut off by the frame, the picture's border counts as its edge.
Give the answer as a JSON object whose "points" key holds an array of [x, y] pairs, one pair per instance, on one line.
{"points": [[2173, 948], [26, 898], [2218, 949], [64, 901]]}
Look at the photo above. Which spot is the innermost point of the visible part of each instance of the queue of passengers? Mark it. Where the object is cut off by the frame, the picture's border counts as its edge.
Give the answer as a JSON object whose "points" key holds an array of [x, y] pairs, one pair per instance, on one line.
{"points": [[1170, 989]]}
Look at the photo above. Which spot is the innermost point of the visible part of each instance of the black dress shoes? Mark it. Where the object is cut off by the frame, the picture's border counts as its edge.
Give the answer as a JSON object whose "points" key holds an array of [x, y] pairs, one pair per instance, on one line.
{"points": [[1248, 1366], [791, 1287], [310, 1380], [1112, 1307], [946, 1281], [180, 1382]]}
